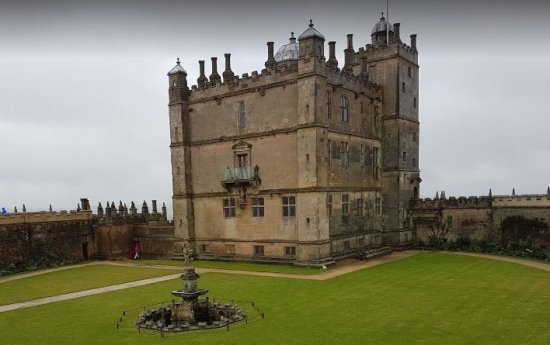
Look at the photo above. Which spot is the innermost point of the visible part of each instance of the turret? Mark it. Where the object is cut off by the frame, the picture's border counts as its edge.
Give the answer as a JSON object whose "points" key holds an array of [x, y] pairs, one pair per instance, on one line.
{"points": [[312, 42], [177, 78], [381, 31]]}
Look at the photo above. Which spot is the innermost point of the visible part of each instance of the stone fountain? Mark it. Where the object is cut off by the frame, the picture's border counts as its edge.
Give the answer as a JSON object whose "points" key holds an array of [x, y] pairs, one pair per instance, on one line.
{"points": [[190, 313]]}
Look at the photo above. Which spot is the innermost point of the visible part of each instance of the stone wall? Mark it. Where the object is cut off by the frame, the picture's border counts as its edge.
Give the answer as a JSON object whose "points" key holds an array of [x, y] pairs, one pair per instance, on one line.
{"points": [[476, 217], [82, 235]]}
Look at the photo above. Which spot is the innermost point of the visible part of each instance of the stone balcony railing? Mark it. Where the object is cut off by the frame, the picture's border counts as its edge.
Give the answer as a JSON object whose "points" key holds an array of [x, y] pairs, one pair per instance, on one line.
{"points": [[241, 176]]}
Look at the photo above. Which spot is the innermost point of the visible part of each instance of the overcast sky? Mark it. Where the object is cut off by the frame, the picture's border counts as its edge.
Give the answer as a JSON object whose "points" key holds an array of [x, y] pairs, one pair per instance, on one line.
{"points": [[83, 88]]}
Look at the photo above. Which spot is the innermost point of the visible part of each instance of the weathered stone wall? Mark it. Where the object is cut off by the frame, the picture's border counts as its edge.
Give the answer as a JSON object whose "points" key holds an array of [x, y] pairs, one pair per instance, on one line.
{"points": [[27, 235], [476, 217]]}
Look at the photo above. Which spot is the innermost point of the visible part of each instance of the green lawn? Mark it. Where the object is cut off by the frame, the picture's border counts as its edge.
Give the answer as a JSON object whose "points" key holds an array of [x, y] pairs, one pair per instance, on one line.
{"points": [[74, 279], [425, 299], [243, 266]]}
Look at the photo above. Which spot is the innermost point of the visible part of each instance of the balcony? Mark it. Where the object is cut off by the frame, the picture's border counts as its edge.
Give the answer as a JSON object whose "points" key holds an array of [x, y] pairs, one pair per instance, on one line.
{"points": [[242, 176]]}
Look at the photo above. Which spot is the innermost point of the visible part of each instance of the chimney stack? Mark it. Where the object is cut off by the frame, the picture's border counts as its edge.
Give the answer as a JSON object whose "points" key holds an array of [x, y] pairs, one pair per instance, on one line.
{"points": [[228, 74], [348, 54], [413, 42], [270, 63], [332, 62], [215, 77], [154, 202], [396, 37], [201, 80]]}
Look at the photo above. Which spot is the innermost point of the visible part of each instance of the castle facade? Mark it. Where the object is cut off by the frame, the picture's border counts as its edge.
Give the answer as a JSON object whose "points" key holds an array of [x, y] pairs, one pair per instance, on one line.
{"points": [[305, 161]]}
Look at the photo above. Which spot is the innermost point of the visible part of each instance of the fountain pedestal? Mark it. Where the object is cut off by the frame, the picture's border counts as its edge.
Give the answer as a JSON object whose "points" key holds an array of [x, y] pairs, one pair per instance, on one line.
{"points": [[184, 311]]}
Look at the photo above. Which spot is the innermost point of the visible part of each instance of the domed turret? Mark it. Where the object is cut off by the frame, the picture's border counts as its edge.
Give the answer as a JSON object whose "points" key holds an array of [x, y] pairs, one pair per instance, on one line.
{"points": [[379, 33], [288, 51], [177, 68]]}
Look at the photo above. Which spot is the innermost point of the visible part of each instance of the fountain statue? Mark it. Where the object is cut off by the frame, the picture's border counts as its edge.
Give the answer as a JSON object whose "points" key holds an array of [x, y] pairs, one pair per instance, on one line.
{"points": [[190, 313]]}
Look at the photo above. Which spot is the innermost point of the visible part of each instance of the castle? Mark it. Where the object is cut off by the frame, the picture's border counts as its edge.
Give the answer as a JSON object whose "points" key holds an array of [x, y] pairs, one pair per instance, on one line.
{"points": [[303, 162]]}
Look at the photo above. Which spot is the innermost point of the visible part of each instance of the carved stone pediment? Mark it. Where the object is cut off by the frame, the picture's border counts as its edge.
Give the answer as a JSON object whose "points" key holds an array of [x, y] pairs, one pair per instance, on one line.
{"points": [[242, 145]]}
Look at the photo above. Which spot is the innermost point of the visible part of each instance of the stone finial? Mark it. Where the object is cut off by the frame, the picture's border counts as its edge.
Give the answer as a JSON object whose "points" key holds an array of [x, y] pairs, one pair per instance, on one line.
{"points": [[120, 207], [215, 77], [85, 204], [442, 194], [100, 210], [270, 63], [436, 195], [125, 209], [201, 80], [513, 192], [133, 209], [51, 210], [144, 208], [228, 74], [332, 62], [548, 190], [107, 209], [490, 193], [15, 209], [24, 209], [164, 215], [78, 209]]}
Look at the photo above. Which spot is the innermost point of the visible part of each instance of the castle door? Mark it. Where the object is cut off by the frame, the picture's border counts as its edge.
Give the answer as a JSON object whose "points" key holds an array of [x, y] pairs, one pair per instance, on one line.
{"points": [[85, 250]]}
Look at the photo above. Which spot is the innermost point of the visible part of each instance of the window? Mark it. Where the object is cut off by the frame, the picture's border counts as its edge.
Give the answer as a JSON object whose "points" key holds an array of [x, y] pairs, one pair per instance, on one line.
{"points": [[449, 222], [329, 104], [378, 206], [344, 108], [362, 155], [346, 245], [257, 207], [414, 102], [375, 169], [344, 153], [289, 206], [414, 136], [229, 249], [242, 114], [403, 87], [404, 156], [259, 250], [290, 251], [359, 207], [229, 208], [204, 248], [414, 162], [329, 205], [410, 72], [329, 149], [345, 208]]}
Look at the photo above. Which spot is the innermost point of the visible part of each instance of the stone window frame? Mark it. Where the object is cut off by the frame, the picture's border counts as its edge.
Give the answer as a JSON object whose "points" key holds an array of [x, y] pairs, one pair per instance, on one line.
{"points": [[344, 153], [329, 104], [258, 207], [204, 248], [359, 206], [375, 165], [241, 113], [344, 109], [259, 250], [329, 148], [347, 245], [229, 208], [290, 251], [288, 203], [378, 206]]}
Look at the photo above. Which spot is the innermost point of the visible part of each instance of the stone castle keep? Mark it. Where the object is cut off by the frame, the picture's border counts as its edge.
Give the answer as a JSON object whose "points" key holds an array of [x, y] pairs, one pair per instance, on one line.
{"points": [[306, 162], [303, 162]]}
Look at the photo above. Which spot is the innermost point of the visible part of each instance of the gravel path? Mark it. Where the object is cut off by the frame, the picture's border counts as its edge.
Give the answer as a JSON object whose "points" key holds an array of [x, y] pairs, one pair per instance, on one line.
{"points": [[535, 264]]}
